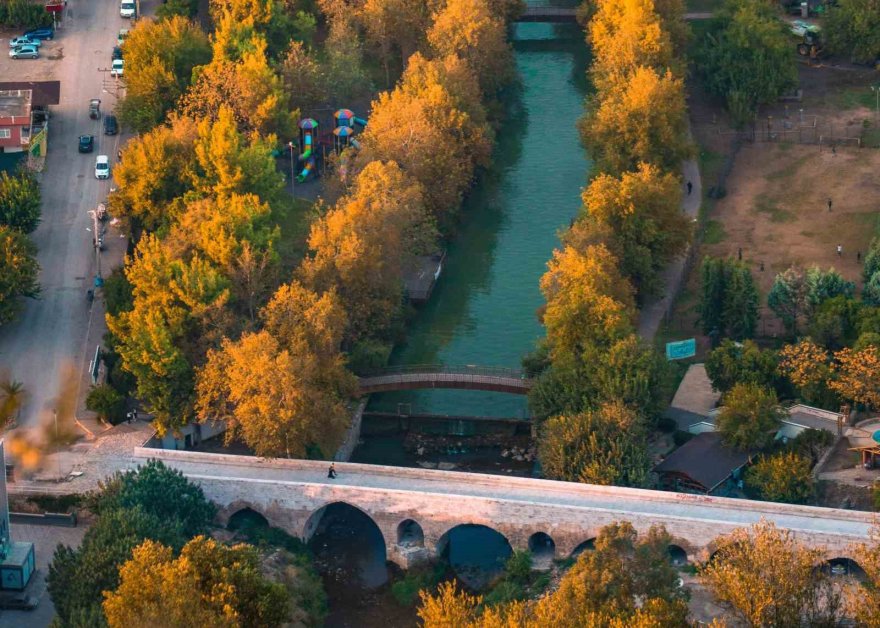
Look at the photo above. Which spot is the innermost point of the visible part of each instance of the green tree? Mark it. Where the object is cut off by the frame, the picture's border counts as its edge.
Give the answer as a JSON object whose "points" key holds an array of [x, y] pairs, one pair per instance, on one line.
{"points": [[19, 201], [107, 403], [783, 477], [769, 579], [209, 584], [174, 8], [749, 416], [826, 284], [811, 444], [834, 322], [603, 446], [12, 396], [159, 60], [728, 299], [78, 577], [734, 363], [642, 209], [747, 57], [852, 28], [18, 272], [788, 297], [740, 307], [157, 490]]}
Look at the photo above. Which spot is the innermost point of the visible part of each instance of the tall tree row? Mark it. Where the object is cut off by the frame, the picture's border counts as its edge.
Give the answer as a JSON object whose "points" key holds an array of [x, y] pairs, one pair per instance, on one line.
{"points": [[598, 386], [196, 323]]}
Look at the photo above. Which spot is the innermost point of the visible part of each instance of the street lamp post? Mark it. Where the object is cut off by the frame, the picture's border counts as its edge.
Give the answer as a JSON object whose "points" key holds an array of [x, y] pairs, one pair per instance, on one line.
{"points": [[292, 171], [96, 241], [876, 90]]}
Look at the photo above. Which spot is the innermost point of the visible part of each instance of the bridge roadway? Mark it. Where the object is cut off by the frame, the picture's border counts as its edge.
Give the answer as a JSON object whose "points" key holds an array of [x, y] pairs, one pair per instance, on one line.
{"points": [[292, 495]]}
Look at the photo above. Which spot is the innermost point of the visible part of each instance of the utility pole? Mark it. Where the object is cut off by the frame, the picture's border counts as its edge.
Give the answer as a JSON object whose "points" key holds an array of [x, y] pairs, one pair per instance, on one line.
{"points": [[292, 171]]}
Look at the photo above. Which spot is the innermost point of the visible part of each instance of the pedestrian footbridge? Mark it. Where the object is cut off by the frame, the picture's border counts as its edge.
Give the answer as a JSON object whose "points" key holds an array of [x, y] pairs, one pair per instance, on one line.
{"points": [[467, 377]]}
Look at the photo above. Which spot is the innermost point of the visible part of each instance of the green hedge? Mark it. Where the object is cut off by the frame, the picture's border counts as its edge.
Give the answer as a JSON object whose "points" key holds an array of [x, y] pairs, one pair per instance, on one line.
{"points": [[24, 14]]}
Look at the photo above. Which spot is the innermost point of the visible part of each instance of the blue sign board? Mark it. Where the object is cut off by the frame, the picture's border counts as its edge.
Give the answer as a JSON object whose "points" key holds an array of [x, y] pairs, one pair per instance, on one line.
{"points": [[681, 349]]}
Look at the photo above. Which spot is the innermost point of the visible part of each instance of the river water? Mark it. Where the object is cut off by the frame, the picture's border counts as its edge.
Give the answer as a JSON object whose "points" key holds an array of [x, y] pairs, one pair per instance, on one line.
{"points": [[483, 309]]}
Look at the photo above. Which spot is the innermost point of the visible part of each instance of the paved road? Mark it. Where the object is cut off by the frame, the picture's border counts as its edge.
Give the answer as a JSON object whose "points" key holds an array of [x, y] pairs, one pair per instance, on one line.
{"points": [[50, 333]]}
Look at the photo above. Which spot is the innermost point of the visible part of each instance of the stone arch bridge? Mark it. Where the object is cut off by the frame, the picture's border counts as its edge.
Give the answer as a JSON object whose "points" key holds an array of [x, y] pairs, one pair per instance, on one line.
{"points": [[416, 508]]}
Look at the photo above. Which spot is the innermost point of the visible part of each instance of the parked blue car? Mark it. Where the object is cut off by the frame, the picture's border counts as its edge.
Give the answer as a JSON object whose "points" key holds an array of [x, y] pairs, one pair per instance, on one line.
{"points": [[45, 32]]}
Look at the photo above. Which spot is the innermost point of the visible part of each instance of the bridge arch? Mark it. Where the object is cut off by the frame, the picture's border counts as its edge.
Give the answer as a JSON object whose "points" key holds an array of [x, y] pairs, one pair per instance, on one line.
{"points": [[844, 566], [587, 546], [314, 520], [542, 546], [410, 533], [678, 556], [472, 548]]}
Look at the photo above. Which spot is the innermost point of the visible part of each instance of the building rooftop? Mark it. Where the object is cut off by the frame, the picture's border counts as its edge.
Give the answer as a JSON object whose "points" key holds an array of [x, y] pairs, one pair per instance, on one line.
{"points": [[15, 103], [813, 418], [705, 460], [43, 93], [694, 399]]}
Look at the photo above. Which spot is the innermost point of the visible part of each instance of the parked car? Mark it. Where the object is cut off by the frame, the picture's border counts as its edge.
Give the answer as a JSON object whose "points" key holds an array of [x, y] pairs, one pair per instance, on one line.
{"points": [[44, 32], [86, 143], [127, 9], [25, 52], [102, 167], [116, 67], [111, 127], [15, 42], [117, 53], [123, 33]]}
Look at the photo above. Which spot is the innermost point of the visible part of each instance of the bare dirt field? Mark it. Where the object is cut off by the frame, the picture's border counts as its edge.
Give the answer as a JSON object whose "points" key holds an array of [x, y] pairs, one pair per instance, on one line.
{"points": [[776, 203]]}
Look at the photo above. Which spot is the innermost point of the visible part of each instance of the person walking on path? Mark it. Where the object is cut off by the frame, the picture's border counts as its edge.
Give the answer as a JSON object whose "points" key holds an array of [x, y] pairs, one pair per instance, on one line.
{"points": [[839, 250], [690, 188], [331, 473], [829, 204], [859, 256]]}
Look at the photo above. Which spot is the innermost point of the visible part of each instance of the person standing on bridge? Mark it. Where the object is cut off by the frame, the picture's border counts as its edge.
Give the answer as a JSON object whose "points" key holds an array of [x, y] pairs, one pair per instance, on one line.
{"points": [[331, 473]]}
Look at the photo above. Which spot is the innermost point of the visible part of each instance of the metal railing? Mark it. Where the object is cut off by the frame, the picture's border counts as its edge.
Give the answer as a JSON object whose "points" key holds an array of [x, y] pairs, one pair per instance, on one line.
{"points": [[430, 369]]}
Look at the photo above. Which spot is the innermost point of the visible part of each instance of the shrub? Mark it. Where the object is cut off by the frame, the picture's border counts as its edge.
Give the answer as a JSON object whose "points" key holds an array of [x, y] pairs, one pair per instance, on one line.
{"points": [[107, 402], [23, 14]]}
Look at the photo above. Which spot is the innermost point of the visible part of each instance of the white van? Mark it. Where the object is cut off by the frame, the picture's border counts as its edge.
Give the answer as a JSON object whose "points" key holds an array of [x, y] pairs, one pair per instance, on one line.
{"points": [[128, 9]]}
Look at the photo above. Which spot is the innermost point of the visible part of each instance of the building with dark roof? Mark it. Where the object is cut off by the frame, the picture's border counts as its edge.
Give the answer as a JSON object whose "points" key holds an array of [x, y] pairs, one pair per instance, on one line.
{"points": [[702, 465]]}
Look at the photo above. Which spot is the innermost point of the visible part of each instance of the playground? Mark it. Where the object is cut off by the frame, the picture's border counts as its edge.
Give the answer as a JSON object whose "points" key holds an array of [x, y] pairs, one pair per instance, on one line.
{"points": [[324, 146]]}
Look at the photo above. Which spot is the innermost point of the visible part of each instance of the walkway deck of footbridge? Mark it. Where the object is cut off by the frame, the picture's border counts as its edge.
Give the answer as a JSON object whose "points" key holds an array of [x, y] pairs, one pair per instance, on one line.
{"points": [[439, 376], [289, 492]]}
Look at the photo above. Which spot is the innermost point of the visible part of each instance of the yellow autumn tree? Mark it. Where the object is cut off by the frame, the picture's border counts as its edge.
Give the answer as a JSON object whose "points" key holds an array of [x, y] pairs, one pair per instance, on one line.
{"points": [[769, 579], [626, 581], [469, 29], [155, 172], [361, 246], [642, 210], [807, 366], [640, 119], [283, 395], [588, 301], [432, 140], [857, 375], [863, 602], [625, 36], [209, 584], [395, 27]]}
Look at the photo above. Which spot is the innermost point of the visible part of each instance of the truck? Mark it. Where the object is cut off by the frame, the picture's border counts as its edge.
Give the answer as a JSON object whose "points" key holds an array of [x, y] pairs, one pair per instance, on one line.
{"points": [[128, 9]]}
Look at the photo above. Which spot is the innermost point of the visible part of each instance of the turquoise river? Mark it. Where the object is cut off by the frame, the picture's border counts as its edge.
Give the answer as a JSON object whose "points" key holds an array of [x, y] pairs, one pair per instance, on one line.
{"points": [[483, 310]]}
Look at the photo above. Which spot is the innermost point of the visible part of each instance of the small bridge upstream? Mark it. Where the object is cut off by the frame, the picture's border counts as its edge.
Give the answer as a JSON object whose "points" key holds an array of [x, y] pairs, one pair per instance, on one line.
{"points": [[468, 377], [565, 12]]}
